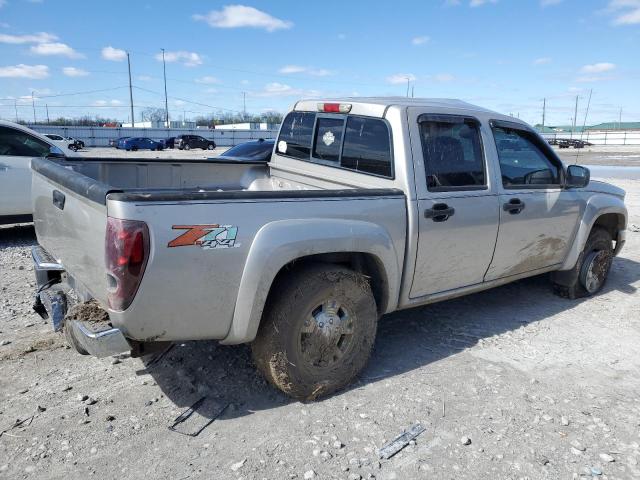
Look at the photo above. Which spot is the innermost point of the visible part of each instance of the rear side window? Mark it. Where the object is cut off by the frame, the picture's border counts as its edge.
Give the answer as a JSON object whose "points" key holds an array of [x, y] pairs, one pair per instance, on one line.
{"points": [[295, 135], [453, 154]]}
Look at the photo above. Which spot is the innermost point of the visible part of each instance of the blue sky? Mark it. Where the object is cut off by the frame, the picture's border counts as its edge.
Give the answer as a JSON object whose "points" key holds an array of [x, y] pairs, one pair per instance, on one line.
{"points": [[502, 54]]}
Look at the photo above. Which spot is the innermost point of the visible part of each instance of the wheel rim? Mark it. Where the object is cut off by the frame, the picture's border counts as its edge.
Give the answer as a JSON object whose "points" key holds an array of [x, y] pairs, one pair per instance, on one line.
{"points": [[594, 270], [327, 334]]}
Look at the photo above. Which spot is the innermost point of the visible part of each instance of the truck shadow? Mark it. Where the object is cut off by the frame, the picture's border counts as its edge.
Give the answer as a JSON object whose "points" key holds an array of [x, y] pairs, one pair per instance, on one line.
{"points": [[406, 340]]}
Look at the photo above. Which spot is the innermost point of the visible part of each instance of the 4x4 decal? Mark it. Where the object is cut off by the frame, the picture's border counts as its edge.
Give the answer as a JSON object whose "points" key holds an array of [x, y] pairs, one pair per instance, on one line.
{"points": [[206, 236]]}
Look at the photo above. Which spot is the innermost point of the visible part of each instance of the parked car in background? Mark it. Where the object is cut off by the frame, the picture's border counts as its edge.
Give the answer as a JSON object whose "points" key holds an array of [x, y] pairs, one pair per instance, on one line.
{"points": [[256, 150], [18, 146], [367, 206], [115, 142], [169, 142], [63, 141], [563, 143], [79, 143], [141, 143], [553, 141], [187, 142]]}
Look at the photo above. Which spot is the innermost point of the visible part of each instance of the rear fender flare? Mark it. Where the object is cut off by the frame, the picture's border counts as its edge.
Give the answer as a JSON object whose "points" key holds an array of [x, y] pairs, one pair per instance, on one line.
{"points": [[279, 243]]}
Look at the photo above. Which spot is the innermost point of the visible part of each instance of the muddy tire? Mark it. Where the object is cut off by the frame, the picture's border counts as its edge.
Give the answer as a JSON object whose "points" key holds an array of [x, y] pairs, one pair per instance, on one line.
{"points": [[317, 331], [591, 270]]}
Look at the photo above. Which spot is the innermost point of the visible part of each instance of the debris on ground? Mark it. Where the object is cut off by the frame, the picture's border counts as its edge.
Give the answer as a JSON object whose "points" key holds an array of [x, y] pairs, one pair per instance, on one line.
{"points": [[394, 446]]}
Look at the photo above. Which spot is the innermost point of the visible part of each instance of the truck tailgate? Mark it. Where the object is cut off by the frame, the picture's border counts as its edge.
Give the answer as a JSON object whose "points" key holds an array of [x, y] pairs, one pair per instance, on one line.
{"points": [[70, 223]]}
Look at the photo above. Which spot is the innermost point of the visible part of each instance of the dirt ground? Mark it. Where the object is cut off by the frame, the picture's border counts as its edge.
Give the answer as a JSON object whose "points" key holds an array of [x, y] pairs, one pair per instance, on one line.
{"points": [[512, 383]]}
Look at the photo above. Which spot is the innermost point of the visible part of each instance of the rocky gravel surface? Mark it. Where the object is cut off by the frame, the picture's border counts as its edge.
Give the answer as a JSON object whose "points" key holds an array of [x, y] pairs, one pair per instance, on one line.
{"points": [[512, 383]]}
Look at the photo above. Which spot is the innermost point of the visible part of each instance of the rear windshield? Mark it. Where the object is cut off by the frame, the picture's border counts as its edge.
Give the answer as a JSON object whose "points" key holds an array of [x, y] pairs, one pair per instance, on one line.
{"points": [[250, 150], [351, 142]]}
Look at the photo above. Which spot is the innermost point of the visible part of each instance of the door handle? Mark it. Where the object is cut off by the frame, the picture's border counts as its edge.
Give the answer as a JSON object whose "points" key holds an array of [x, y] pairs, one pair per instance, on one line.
{"points": [[440, 212], [513, 206]]}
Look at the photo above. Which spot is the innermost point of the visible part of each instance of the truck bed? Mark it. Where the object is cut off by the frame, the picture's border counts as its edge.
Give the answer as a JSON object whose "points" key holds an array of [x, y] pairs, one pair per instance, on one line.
{"points": [[72, 201]]}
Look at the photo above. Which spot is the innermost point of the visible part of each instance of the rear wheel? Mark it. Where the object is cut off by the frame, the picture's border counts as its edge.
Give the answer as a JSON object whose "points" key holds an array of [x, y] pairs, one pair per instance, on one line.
{"points": [[187, 147], [591, 270], [317, 334], [210, 147]]}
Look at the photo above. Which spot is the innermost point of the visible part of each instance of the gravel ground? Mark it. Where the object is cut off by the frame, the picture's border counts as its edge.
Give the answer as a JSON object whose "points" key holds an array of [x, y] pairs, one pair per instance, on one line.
{"points": [[509, 383]]}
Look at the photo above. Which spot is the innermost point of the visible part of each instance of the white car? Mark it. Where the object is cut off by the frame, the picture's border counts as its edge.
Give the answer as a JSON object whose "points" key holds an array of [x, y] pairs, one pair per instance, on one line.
{"points": [[59, 140], [18, 145]]}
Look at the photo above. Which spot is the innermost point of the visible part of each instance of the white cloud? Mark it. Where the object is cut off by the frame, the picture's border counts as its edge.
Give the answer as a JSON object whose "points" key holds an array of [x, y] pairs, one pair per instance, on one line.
{"points": [[401, 78], [316, 72], [106, 103], [55, 48], [179, 103], [74, 72], [237, 16], [548, 3], [207, 80], [41, 37], [542, 61], [420, 40], [479, 3], [145, 78], [188, 59], [276, 89], [627, 12], [113, 54], [25, 71], [598, 67]]}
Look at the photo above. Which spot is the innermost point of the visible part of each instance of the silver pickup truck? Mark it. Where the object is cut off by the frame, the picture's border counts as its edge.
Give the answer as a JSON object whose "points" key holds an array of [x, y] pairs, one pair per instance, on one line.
{"points": [[367, 206]]}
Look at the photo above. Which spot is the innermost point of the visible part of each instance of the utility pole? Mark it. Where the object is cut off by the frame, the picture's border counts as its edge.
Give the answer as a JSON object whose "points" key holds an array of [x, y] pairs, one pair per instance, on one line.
{"points": [[408, 80], [15, 105], [244, 105], [133, 124], [544, 108], [47, 107], [575, 117], [33, 104], [412, 91], [620, 120], [166, 102]]}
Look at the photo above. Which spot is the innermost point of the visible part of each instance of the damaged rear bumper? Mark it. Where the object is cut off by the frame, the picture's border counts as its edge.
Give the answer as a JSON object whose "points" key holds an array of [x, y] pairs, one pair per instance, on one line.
{"points": [[53, 302]]}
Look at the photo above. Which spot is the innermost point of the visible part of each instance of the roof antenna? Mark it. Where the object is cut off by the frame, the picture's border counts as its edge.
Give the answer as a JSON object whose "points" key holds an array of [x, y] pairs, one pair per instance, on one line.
{"points": [[584, 124]]}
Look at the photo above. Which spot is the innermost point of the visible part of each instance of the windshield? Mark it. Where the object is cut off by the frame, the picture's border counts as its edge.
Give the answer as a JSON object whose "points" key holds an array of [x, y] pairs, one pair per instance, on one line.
{"points": [[250, 150]]}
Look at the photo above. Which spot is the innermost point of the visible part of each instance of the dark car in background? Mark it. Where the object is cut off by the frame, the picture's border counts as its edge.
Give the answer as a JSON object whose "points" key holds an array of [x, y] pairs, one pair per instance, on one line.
{"points": [[141, 143], [169, 142], [256, 150], [187, 142]]}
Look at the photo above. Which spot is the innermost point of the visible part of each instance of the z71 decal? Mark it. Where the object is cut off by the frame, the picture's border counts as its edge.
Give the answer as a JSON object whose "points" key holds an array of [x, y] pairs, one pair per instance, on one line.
{"points": [[206, 236]]}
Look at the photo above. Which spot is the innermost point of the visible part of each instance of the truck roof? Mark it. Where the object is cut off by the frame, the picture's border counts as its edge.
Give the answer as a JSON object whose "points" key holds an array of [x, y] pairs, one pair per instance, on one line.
{"points": [[377, 106]]}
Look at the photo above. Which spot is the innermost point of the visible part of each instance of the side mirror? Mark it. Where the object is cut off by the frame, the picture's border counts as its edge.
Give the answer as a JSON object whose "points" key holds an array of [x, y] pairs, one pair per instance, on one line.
{"points": [[577, 176], [55, 152]]}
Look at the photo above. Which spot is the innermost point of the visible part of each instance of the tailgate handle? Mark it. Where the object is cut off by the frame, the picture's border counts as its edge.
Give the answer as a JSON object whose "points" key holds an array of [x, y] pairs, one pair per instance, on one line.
{"points": [[58, 199]]}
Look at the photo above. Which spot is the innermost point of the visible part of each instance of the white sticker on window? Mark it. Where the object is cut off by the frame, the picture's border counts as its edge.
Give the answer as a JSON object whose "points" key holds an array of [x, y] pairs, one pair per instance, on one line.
{"points": [[282, 146], [328, 138]]}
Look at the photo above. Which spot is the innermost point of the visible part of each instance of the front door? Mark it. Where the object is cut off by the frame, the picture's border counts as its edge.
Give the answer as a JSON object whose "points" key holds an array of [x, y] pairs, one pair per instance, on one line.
{"points": [[457, 207], [538, 217], [17, 148]]}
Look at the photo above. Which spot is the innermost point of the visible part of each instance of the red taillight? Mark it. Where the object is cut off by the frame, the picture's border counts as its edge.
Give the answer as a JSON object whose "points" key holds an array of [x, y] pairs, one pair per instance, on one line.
{"points": [[334, 107], [126, 253]]}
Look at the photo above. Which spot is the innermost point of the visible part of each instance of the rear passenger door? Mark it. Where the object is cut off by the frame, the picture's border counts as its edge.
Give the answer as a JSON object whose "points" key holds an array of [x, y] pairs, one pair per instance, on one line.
{"points": [[538, 217], [457, 204]]}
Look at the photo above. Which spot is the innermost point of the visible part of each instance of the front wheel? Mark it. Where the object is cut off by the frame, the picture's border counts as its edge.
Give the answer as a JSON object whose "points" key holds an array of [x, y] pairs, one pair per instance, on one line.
{"points": [[591, 270], [210, 147], [317, 333], [187, 147]]}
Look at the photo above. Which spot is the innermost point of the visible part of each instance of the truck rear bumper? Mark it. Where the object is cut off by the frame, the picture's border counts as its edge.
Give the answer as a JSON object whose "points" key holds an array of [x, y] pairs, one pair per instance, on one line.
{"points": [[53, 302], [99, 344]]}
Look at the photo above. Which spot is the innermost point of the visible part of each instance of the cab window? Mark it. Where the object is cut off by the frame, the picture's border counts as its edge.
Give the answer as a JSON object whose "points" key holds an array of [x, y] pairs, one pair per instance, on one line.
{"points": [[524, 161], [453, 153]]}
